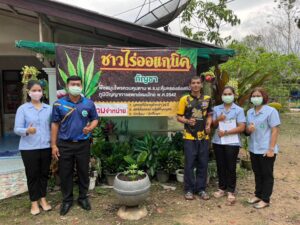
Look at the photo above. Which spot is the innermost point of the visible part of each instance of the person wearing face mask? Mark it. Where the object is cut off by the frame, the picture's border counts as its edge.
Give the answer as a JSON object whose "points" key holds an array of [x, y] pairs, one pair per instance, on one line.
{"points": [[32, 123], [263, 127], [226, 154], [73, 119]]}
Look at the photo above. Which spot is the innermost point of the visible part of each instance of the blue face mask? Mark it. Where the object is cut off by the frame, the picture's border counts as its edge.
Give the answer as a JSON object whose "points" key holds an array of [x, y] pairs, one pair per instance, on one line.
{"points": [[257, 100], [227, 99]]}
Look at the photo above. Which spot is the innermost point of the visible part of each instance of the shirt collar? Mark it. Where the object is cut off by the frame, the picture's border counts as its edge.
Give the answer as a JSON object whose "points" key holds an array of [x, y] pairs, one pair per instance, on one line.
{"points": [[233, 106], [261, 111], [195, 96], [30, 105], [69, 100]]}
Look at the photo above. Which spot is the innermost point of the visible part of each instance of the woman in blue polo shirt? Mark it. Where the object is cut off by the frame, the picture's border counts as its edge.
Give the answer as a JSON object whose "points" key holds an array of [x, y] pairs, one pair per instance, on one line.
{"points": [[227, 152], [32, 123], [263, 126]]}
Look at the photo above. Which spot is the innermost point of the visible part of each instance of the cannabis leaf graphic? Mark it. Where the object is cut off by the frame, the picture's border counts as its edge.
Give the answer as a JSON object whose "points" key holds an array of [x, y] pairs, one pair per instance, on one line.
{"points": [[89, 79]]}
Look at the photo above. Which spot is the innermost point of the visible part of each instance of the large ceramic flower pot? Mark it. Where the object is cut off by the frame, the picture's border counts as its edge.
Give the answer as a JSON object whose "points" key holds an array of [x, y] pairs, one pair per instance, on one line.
{"points": [[132, 193]]}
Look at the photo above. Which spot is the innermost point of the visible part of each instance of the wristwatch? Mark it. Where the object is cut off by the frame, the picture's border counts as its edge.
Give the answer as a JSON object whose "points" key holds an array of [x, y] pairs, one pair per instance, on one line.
{"points": [[226, 132]]}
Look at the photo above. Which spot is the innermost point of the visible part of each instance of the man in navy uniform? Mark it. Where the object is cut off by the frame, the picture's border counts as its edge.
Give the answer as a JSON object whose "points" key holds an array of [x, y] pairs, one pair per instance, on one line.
{"points": [[73, 119]]}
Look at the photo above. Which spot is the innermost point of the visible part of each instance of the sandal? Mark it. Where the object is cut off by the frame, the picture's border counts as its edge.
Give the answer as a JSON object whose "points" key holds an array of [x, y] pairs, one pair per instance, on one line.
{"points": [[231, 198], [219, 193], [253, 200], [35, 212], [189, 196], [47, 208], [261, 204]]}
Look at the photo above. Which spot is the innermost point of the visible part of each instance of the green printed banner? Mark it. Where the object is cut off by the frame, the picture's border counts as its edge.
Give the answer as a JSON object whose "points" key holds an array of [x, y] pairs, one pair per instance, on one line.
{"points": [[129, 81]]}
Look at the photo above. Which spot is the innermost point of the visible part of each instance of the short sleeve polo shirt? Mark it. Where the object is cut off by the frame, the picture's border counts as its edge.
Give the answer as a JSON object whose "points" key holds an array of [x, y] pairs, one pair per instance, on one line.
{"points": [[264, 121], [73, 117], [200, 111]]}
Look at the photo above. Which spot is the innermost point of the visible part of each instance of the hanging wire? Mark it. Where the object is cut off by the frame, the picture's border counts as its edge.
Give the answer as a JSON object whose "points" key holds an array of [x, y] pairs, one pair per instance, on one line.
{"points": [[141, 9], [135, 8]]}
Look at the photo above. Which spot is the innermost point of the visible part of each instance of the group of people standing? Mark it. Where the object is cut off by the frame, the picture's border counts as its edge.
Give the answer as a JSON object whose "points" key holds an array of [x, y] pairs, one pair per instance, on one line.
{"points": [[64, 132], [261, 124]]}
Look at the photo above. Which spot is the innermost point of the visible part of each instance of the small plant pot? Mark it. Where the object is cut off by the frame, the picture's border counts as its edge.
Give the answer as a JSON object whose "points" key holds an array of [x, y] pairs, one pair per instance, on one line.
{"points": [[92, 183], [246, 164], [110, 177], [180, 175], [162, 176]]}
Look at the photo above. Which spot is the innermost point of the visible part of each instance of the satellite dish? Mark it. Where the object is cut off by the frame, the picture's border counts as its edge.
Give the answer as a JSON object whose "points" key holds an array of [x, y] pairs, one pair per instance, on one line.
{"points": [[161, 15]]}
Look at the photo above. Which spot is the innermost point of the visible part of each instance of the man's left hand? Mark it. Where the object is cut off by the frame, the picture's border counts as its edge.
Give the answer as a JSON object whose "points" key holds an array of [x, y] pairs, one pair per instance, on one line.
{"points": [[86, 130]]}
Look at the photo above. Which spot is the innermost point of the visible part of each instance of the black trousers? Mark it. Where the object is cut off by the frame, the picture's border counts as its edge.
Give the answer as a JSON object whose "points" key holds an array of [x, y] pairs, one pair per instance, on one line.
{"points": [[263, 173], [226, 157], [71, 153], [196, 156], [37, 166]]}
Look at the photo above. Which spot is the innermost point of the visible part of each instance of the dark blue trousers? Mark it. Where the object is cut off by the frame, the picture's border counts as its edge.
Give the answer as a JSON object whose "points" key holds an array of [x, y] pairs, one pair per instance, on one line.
{"points": [[196, 156]]}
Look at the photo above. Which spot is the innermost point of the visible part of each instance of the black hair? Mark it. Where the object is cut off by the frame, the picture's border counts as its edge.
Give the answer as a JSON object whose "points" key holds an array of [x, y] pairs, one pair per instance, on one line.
{"points": [[73, 77], [230, 88], [30, 84], [201, 78]]}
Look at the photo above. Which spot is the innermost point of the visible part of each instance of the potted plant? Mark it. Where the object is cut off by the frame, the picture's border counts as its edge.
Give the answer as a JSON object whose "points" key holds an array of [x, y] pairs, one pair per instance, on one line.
{"points": [[110, 130], [28, 73], [123, 131], [162, 172], [95, 170], [180, 171], [177, 141], [151, 145], [113, 159], [132, 186]]}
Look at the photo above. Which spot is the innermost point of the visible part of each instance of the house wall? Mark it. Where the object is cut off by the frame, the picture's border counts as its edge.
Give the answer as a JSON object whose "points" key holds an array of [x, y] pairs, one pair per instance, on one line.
{"points": [[12, 58]]}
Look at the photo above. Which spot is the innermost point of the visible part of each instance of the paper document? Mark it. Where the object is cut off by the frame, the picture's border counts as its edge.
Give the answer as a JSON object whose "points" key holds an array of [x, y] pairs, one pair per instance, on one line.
{"points": [[228, 125]]}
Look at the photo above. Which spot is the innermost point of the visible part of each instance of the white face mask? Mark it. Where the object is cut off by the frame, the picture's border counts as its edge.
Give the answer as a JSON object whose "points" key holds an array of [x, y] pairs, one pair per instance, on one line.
{"points": [[35, 95], [257, 100], [75, 90], [227, 99]]}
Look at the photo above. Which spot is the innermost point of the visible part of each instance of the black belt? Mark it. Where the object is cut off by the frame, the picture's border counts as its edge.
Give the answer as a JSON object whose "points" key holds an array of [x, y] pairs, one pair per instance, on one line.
{"points": [[73, 141]]}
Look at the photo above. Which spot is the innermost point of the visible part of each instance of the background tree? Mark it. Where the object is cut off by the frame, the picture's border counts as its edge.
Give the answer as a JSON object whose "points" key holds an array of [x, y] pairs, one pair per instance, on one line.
{"points": [[251, 67], [203, 20], [281, 33]]}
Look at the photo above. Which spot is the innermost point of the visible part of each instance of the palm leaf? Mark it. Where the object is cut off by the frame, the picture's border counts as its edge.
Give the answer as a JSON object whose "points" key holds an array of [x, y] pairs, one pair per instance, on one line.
{"points": [[258, 82], [191, 53], [80, 69], [71, 69], [63, 75], [89, 74], [247, 79]]}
